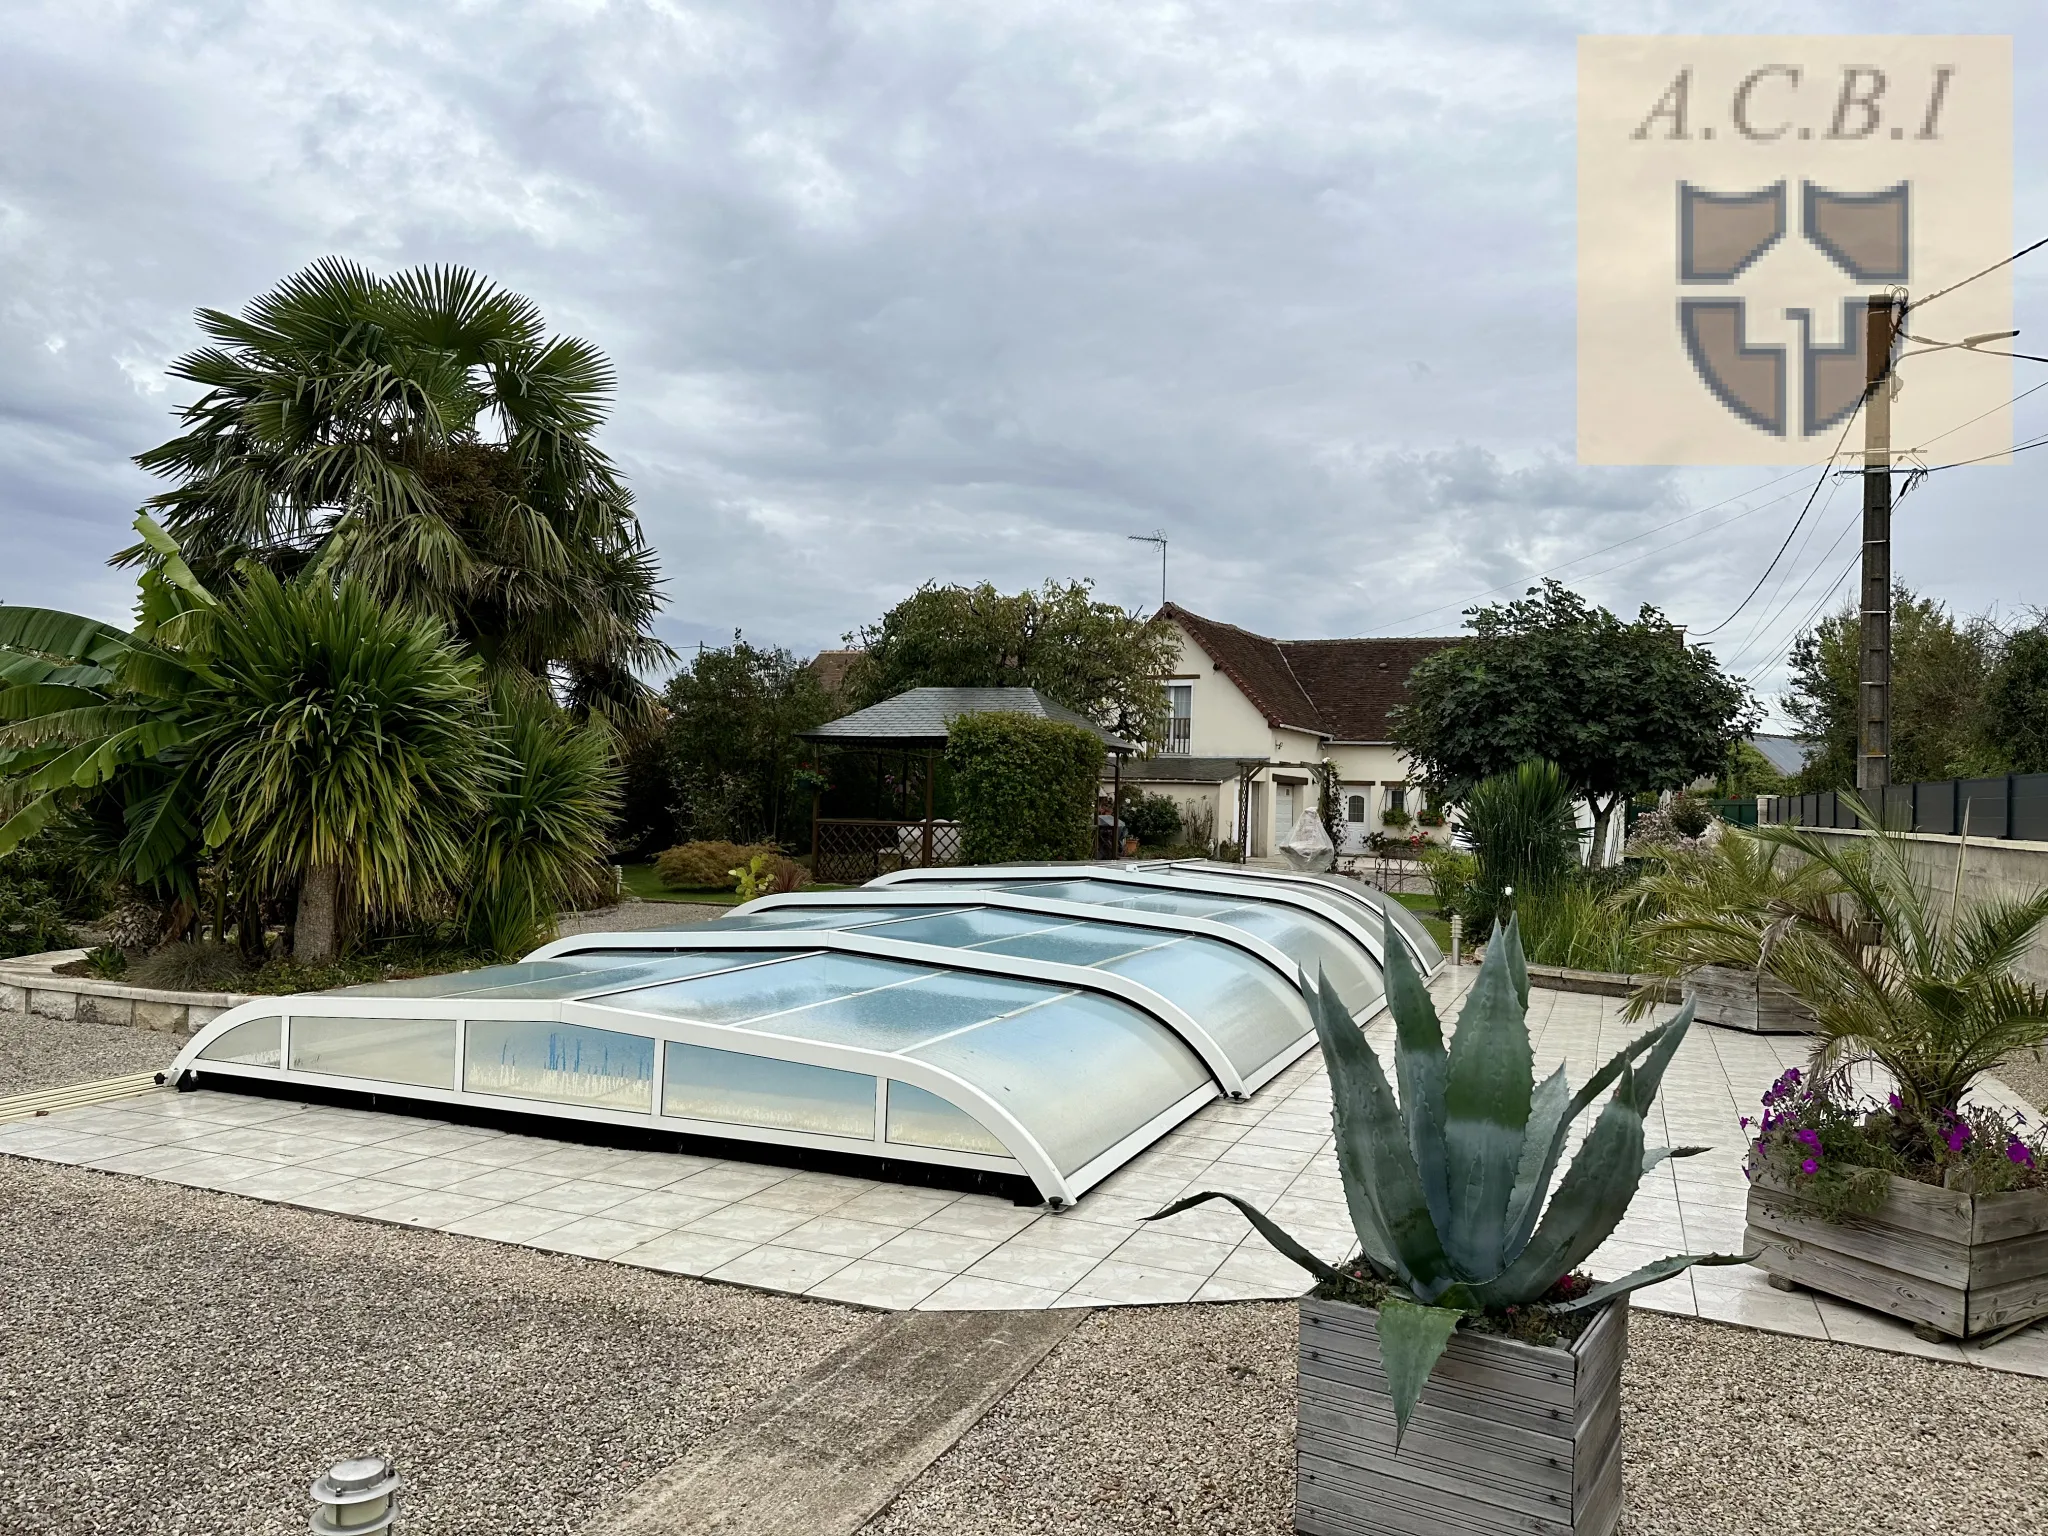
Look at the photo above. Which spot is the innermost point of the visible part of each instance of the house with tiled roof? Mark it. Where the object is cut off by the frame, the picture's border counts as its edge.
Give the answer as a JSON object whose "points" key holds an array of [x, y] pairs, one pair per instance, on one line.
{"points": [[1252, 716]]}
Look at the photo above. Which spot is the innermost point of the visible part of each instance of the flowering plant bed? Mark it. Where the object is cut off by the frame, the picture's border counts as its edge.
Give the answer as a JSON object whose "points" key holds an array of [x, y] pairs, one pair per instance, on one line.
{"points": [[1941, 1219]]}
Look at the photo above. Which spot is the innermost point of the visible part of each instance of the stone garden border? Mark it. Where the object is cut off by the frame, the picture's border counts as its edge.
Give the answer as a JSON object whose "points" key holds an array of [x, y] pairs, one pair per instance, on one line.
{"points": [[30, 984]]}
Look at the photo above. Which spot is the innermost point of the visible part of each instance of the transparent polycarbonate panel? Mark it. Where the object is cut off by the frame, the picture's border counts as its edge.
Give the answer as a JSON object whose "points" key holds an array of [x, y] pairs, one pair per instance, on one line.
{"points": [[416, 1051], [1080, 1073], [897, 1018], [1343, 905], [251, 1043], [1312, 942], [1243, 1003], [921, 1119], [732, 997], [567, 977], [702, 1083], [562, 1063], [1422, 944], [852, 915], [1061, 940]]}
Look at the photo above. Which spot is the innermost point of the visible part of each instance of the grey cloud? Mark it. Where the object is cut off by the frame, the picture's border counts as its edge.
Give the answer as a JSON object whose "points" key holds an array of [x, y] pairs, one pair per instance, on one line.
{"points": [[908, 290]]}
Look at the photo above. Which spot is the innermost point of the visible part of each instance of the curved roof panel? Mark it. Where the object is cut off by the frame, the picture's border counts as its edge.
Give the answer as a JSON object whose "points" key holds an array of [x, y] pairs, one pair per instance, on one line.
{"points": [[1047, 1022]]}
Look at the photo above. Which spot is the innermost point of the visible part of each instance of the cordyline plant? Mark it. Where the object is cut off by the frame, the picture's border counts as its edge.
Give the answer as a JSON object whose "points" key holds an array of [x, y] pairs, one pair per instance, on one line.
{"points": [[1447, 1188]]}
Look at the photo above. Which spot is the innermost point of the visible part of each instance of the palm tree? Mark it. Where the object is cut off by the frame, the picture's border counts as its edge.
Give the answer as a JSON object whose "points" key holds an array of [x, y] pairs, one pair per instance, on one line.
{"points": [[1919, 983], [347, 750], [546, 824], [422, 434], [312, 741]]}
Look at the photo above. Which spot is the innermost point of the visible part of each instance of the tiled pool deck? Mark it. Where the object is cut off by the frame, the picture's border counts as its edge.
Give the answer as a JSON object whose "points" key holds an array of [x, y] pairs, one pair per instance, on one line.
{"points": [[895, 1246]]}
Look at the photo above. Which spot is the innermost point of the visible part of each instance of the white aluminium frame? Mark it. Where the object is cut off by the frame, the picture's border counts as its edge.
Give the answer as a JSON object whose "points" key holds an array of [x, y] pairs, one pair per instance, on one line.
{"points": [[616, 1013]]}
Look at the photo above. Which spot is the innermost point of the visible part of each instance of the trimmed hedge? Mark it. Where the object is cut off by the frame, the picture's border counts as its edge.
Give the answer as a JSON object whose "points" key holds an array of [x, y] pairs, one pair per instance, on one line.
{"points": [[1024, 788]]}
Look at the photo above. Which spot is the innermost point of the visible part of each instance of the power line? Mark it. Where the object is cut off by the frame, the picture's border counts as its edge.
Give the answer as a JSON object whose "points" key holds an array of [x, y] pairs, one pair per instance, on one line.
{"points": [[1952, 287], [1619, 543], [1765, 616], [1832, 457]]}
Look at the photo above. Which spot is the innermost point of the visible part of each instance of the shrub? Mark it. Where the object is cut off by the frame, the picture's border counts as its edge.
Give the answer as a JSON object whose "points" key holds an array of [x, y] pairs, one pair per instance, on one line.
{"points": [[31, 921], [1025, 787], [1450, 872], [1524, 834], [190, 967], [1573, 926], [705, 865], [109, 962], [1689, 817], [1154, 820], [767, 874]]}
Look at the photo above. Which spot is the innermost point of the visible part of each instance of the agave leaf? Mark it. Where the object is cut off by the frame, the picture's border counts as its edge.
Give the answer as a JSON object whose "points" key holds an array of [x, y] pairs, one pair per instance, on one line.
{"points": [[1382, 1186], [1644, 1081], [1419, 1066], [1541, 1147], [1588, 1205], [1518, 963], [1412, 1340], [1650, 1274], [1488, 1088], [1270, 1230], [1657, 1155]]}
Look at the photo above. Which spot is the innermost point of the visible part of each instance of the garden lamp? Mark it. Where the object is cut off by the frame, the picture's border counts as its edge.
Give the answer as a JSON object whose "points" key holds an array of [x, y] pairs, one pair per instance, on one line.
{"points": [[358, 1496]]}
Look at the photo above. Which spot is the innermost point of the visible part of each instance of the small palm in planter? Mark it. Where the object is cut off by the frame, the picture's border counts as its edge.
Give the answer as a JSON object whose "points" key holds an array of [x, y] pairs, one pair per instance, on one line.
{"points": [[1447, 1192]]}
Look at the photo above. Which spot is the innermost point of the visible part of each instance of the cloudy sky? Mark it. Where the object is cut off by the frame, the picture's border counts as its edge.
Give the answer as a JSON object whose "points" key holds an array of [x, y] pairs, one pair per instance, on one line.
{"points": [[950, 289]]}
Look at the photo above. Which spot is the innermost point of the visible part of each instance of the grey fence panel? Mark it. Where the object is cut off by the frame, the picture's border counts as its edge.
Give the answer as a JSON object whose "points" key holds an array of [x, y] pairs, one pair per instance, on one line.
{"points": [[1935, 807], [2028, 814], [1895, 808], [1981, 806]]}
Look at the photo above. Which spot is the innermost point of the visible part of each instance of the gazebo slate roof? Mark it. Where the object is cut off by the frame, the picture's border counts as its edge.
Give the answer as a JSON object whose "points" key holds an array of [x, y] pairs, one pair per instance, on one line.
{"points": [[916, 719]]}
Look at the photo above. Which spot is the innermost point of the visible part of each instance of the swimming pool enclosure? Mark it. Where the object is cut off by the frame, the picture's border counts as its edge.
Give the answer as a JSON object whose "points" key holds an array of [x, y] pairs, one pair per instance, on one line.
{"points": [[1046, 1021]]}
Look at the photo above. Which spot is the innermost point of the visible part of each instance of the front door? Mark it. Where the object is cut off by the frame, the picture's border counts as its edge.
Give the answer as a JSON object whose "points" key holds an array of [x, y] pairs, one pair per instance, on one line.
{"points": [[1283, 813]]}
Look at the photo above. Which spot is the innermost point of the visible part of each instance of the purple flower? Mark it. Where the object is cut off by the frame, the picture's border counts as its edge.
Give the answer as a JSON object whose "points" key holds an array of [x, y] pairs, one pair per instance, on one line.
{"points": [[1745, 1122], [1893, 1100], [1809, 1137], [1808, 1165], [1956, 1136], [2020, 1153]]}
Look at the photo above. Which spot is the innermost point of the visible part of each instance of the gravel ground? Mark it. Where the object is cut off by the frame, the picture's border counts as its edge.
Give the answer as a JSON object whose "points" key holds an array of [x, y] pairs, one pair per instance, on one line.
{"points": [[40, 1053], [2026, 1074], [182, 1361], [1181, 1419]]}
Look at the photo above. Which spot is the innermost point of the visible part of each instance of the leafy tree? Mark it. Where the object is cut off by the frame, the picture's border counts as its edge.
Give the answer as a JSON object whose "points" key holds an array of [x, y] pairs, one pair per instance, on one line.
{"points": [[1025, 787], [1093, 657], [1748, 773], [1618, 707], [1941, 668], [423, 434], [2016, 703], [734, 761]]}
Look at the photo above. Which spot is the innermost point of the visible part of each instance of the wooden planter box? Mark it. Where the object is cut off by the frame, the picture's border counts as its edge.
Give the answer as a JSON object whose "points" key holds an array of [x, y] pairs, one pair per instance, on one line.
{"points": [[1508, 1437], [1957, 1264], [1738, 999]]}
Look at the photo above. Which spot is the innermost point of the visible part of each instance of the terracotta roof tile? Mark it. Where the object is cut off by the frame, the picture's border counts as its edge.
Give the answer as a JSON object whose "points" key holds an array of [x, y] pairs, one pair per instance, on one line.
{"points": [[1342, 689]]}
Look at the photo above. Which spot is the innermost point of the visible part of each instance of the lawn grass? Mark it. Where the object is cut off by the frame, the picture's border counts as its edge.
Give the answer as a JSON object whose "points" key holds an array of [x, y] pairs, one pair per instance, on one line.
{"points": [[1423, 905]]}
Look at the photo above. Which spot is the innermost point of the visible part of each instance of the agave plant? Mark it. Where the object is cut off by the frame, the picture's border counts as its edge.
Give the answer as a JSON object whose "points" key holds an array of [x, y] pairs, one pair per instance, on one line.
{"points": [[1449, 1188]]}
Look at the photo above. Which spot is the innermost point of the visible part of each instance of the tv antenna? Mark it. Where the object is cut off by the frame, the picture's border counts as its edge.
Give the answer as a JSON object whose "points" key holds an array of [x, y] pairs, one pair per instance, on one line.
{"points": [[1156, 536]]}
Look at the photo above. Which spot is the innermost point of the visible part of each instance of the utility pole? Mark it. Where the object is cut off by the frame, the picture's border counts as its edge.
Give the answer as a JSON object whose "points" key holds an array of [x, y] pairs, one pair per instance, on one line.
{"points": [[1156, 536], [1874, 629]]}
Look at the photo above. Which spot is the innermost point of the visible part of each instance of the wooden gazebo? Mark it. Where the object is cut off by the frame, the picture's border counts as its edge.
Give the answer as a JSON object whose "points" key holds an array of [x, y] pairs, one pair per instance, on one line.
{"points": [[912, 726]]}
